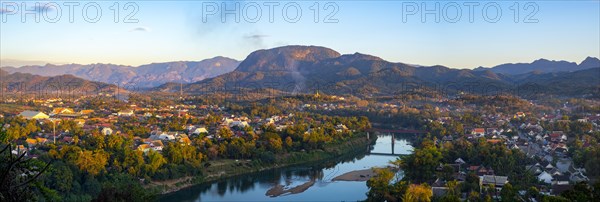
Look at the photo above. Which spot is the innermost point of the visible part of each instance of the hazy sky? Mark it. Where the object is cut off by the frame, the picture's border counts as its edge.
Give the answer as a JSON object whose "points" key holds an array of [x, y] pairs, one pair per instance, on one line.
{"points": [[468, 34]]}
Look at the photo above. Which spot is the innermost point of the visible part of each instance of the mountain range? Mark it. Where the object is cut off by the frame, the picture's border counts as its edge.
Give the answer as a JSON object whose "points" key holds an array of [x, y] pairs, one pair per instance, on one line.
{"points": [[149, 75], [25, 83], [305, 69], [543, 66]]}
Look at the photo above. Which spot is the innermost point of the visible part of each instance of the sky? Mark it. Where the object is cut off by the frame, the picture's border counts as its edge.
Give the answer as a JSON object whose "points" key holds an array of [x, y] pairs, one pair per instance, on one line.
{"points": [[466, 35]]}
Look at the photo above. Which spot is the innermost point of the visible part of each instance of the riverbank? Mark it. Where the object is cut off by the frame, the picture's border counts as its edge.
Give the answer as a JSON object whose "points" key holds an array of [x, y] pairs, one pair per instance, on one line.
{"points": [[225, 168], [279, 190], [360, 175], [357, 175]]}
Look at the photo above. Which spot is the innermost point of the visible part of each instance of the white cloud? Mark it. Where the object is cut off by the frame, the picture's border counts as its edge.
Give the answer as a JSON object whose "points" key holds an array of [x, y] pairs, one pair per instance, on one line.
{"points": [[140, 29]]}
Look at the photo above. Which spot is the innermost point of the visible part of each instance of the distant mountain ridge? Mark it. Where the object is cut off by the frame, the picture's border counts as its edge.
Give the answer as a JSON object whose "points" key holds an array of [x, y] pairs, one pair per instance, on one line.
{"points": [[543, 66], [149, 75], [304, 69], [64, 85]]}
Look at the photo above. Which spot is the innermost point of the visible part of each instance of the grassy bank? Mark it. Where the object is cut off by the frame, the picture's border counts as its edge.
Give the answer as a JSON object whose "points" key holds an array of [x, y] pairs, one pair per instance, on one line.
{"points": [[224, 168]]}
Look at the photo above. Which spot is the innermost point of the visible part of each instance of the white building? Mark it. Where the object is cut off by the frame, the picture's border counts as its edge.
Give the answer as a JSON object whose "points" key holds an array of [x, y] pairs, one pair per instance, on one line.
{"points": [[125, 113], [199, 130], [106, 131], [240, 124], [545, 177], [33, 115]]}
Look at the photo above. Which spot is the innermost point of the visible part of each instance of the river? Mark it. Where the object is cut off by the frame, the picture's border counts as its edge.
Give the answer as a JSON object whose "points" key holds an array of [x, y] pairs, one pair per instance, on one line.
{"points": [[253, 187]]}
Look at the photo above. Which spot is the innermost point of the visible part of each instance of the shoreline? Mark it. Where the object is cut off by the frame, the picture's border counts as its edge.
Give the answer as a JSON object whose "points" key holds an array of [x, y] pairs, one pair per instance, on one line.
{"points": [[356, 175], [333, 152], [279, 189], [361, 175]]}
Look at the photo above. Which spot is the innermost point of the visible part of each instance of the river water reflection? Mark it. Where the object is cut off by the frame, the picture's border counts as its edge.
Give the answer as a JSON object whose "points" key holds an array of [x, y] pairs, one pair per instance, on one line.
{"points": [[315, 178]]}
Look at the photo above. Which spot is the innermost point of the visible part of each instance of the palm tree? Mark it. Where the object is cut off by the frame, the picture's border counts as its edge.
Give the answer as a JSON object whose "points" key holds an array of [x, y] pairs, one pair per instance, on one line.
{"points": [[408, 197], [452, 186]]}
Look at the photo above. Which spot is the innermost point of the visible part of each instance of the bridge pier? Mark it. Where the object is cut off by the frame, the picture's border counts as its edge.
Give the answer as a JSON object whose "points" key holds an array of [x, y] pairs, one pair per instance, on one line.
{"points": [[377, 131], [393, 142]]}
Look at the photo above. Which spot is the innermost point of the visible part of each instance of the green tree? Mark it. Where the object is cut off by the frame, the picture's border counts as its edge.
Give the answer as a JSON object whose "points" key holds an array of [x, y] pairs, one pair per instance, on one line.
{"points": [[474, 196], [276, 144], [121, 187], [289, 143], [225, 133], [532, 192], [508, 193], [379, 185], [554, 199], [418, 193], [453, 188], [60, 177], [421, 165], [155, 161], [19, 177], [580, 192], [183, 154], [92, 162]]}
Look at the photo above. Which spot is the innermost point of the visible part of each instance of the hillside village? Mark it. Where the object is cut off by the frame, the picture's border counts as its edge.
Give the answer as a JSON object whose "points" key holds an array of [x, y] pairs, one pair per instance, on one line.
{"points": [[549, 151]]}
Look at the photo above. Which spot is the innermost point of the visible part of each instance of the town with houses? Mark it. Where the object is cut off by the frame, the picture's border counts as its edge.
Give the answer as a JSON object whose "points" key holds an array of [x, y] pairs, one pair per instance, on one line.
{"points": [[550, 158]]}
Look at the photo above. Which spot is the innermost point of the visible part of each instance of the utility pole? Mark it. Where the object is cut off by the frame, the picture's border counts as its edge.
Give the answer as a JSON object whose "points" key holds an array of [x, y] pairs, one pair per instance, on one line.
{"points": [[54, 130]]}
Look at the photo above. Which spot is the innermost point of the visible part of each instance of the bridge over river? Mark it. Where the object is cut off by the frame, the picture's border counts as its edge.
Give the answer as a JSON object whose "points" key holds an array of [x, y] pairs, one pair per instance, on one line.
{"points": [[393, 133]]}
